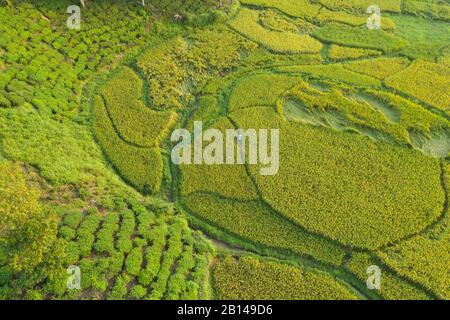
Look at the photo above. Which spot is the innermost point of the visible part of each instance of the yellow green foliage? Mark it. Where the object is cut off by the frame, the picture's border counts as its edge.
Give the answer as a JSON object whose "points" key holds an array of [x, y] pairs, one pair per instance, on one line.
{"points": [[445, 60], [271, 20], [28, 136], [165, 258], [445, 57], [135, 123], [215, 51], [260, 90], [251, 278], [361, 166], [18, 201], [380, 68], [425, 258], [337, 53], [413, 116], [427, 38], [263, 57], [334, 110], [361, 5], [335, 72], [175, 66], [141, 167], [208, 109], [165, 74], [329, 178], [387, 24], [392, 287], [27, 230], [427, 81], [376, 114], [326, 15], [298, 8], [226, 180], [254, 223], [246, 23], [360, 37]]}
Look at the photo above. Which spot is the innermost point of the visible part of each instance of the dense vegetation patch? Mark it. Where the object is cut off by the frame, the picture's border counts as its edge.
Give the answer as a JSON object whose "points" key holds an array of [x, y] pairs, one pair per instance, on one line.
{"points": [[426, 81], [27, 228], [246, 23], [343, 53], [324, 189], [424, 258], [250, 278], [45, 63], [363, 179], [134, 122], [379, 68], [141, 167], [272, 231], [359, 37]]}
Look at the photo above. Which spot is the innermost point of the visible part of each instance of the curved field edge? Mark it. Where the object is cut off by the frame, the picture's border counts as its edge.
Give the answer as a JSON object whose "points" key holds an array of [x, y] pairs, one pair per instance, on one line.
{"points": [[205, 227], [248, 277], [430, 226]]}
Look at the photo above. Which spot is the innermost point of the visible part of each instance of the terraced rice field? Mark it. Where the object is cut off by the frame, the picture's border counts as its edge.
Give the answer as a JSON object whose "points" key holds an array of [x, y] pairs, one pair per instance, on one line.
{"points": [[85, 134]]}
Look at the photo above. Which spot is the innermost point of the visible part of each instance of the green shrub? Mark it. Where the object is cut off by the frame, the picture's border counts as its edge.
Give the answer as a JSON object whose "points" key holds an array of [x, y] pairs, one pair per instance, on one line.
{"points": [[138, 292], [153, 255], [28, 229], [172, 253], [4, 102], [67, 233], [177, 284], [392, 286], [299, 8], [73, 218], [120, 288]]}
